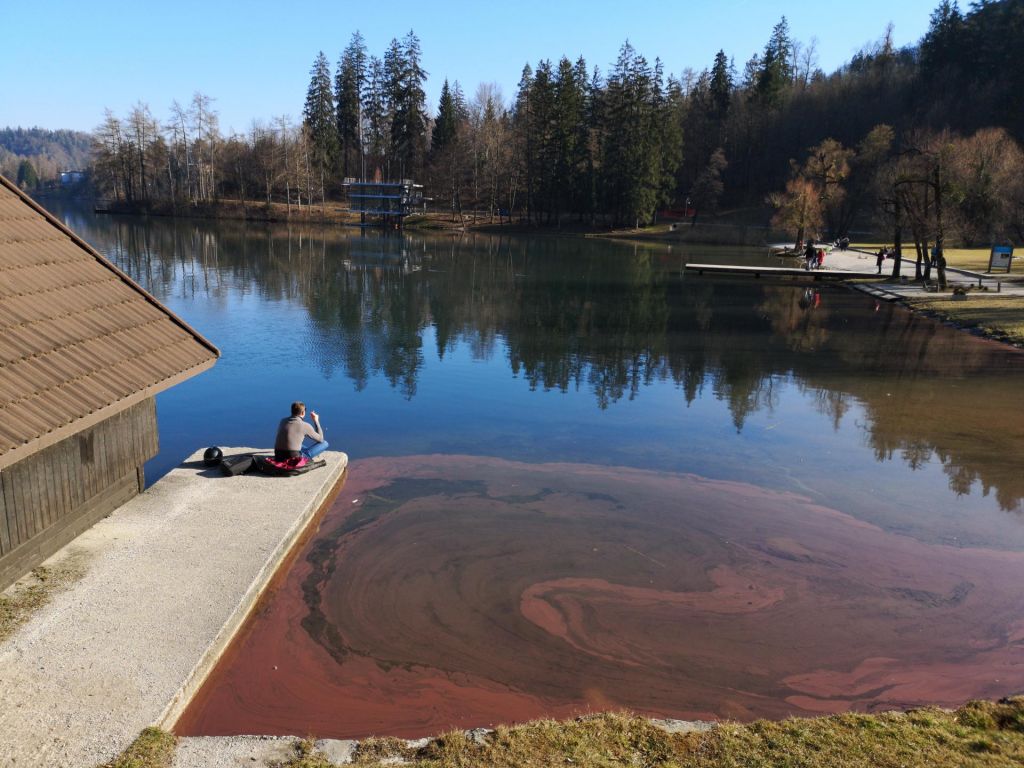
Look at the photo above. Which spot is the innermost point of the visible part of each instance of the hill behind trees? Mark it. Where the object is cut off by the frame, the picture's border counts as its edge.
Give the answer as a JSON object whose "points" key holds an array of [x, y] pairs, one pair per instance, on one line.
{"points": [[48, 152]]}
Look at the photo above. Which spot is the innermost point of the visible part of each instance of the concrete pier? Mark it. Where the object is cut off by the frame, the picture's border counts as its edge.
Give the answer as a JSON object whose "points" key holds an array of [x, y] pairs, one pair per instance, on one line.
{"points": [[170, 577]]}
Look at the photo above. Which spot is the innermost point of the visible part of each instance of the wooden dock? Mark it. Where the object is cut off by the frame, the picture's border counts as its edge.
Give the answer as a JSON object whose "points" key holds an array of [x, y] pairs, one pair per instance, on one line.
{"points": [[776, 272]]}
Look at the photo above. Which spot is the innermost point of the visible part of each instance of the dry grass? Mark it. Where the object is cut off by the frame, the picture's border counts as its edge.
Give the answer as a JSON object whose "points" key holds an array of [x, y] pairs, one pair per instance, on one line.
{"points": [[307, 756], [28, 595], [153, 748], [975, 259], [979, 734], [999, 317]]}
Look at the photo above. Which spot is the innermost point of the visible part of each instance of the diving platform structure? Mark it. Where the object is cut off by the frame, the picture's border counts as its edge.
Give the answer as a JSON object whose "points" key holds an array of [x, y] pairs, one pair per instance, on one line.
{"points": [[383, 202]]}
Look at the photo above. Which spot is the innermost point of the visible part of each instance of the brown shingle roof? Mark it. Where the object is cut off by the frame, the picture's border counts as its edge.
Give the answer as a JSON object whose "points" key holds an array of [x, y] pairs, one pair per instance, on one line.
{"points": [[79, 340]]}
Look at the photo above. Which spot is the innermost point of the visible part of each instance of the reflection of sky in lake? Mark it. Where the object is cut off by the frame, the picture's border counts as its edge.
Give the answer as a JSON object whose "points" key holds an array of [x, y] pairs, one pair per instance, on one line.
{"points": [[837, 402]]}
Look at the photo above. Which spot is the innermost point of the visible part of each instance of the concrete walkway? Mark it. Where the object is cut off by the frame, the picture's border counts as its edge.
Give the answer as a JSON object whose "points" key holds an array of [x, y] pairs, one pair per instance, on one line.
{"points": [[861, 261], [170, 577]]}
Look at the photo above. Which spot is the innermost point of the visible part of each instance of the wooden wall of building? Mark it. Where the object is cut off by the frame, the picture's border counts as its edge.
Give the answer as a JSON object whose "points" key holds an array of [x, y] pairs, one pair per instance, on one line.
{"points": [[52, 496]]}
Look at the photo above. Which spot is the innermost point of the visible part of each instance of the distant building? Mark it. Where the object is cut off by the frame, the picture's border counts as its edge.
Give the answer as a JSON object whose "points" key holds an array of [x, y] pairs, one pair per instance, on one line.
{"points": [[384, 202], [71, 178], [83, 352]]}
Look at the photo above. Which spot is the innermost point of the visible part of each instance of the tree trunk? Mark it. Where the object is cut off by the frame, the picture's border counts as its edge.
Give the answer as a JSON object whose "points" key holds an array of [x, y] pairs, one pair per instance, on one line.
{"points": [[897, 241], [940, 258]]}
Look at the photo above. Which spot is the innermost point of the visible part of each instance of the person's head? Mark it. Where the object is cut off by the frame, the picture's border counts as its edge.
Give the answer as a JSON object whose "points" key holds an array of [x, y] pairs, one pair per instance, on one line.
{"points": [[298, 408]]}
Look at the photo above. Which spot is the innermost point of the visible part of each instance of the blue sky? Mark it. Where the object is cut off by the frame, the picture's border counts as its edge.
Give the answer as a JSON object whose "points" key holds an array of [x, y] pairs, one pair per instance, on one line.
{"points": [[64, 62]]}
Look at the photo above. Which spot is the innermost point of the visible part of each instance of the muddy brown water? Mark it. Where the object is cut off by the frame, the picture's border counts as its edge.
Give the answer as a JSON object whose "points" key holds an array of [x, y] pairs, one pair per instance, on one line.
{"points": [[450, 591]]}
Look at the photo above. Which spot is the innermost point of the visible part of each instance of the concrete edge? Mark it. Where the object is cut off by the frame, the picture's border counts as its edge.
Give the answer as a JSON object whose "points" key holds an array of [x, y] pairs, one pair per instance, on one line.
{"points": [[876, 290], [233, 623]]}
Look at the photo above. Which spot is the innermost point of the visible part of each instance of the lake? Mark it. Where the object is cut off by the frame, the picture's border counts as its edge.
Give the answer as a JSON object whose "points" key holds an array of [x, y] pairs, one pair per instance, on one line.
{"points": [[580, 481]]}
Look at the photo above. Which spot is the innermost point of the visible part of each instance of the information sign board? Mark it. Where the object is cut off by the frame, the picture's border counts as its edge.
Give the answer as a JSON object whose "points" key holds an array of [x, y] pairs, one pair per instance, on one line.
{"points": [[1000, 258]]}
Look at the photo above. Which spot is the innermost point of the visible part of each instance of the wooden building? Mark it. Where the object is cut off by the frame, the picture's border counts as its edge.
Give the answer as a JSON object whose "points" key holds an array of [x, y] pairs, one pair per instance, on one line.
{"points": [[83, 352]]}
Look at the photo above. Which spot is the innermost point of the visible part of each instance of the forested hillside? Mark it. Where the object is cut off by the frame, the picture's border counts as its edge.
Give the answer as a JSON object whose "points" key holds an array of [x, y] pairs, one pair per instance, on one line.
{"points": [[46, 153], [886, 139]]}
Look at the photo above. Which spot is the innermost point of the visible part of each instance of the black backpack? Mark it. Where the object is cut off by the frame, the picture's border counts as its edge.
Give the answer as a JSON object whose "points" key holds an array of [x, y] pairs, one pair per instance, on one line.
{"points": [[236, 465]]}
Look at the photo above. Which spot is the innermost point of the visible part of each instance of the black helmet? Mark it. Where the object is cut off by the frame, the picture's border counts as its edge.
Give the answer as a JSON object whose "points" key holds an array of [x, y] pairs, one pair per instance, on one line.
{"points": [[212, 456]]}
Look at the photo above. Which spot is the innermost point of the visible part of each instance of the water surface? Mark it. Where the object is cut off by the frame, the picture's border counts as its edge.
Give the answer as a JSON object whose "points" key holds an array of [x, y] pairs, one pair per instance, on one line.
{"points": [[581, 481]]}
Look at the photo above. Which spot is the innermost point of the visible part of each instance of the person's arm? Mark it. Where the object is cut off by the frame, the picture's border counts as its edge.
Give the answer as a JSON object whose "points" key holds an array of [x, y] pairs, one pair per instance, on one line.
{"points": [[316, 431]]}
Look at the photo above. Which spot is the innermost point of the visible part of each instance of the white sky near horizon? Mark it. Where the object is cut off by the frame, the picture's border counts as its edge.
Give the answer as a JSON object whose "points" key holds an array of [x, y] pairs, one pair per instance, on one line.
{"points": [[66, 60]]}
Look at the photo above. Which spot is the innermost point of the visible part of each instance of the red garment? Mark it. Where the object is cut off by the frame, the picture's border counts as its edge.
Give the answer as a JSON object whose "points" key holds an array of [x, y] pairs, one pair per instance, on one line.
{"points": [[286, 465]]}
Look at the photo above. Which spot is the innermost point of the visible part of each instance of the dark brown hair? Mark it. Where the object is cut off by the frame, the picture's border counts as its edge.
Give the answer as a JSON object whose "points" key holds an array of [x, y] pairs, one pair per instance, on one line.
{"points": [[298, 408]]}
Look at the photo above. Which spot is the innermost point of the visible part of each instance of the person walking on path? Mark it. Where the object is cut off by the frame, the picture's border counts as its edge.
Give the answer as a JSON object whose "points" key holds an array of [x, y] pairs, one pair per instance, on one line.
{"points": [[293, 431], [880, 259], [810, 255]]}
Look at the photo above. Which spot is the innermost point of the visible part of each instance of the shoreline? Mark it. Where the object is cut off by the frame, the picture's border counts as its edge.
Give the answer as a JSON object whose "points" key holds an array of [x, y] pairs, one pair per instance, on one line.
{"points": [[997, 317], [978, 733], [970, 316]]}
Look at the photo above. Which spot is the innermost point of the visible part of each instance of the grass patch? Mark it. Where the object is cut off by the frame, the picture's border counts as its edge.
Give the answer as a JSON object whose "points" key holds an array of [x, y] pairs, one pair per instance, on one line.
{"points": [[974, 259], [979, 734], [153, 748], [374, 750], [29, 594], [307, 756], [1000, 317]]}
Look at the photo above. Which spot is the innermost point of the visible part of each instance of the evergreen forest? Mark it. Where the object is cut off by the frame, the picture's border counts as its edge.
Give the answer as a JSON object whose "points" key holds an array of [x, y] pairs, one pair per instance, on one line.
{"points": [[922, 140]]}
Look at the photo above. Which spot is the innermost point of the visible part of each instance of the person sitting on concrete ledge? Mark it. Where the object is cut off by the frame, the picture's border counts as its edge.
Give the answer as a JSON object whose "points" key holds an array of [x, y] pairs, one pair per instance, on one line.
{"points": [[293, 430]]}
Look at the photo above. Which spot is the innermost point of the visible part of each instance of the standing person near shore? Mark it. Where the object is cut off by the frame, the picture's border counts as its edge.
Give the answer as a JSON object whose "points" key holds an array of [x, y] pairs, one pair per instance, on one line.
{"points": [[880, 259], [293, 430], [810, 255]]}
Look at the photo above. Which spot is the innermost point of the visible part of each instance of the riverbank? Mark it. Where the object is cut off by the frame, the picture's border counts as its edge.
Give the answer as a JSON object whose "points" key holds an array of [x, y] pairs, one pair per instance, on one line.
{"points": [[999, 317], [718, 231], [166, 581], [994, 309], [977, 734], [331, 212]]}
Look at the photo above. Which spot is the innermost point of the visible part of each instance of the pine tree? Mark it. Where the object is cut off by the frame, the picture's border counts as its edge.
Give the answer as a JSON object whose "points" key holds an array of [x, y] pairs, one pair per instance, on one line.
{"points": [[943, 44], [405, 78], [751, 73], [446, 123], [569, 105], [668, 105], [542, 120], [460, 104], [349, 87], [582, 183], [642, 141], [319, 119], [377, 117], [776, 75], [522, 127], [445, 152], [27, 178], [394, 68], [720, 87]]}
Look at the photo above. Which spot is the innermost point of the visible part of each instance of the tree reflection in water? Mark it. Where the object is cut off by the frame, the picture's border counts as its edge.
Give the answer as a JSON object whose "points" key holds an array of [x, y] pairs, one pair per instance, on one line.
{"points": [[575, 315]]}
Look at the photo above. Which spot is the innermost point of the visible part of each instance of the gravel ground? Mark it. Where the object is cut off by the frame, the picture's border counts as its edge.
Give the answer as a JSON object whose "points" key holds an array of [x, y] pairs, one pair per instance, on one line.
{"points": [[171, 575]]}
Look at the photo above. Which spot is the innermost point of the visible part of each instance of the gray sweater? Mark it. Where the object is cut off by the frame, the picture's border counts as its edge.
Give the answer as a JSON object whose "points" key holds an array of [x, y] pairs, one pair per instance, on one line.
{"points": [[291, 432]]}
